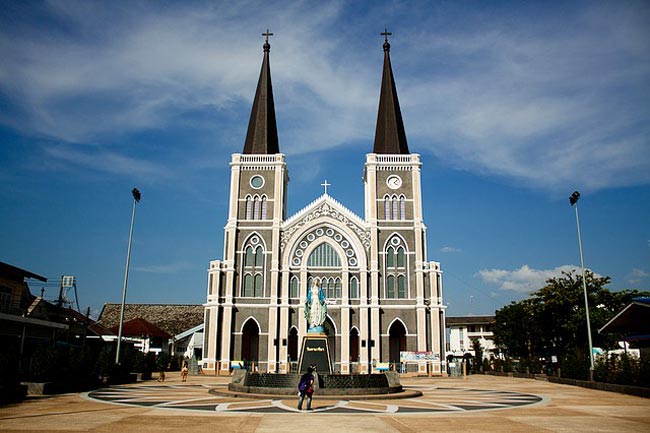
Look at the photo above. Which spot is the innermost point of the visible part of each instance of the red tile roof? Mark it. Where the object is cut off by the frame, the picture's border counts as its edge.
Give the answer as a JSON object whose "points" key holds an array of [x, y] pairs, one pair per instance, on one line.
{"points": [[140, 328]]}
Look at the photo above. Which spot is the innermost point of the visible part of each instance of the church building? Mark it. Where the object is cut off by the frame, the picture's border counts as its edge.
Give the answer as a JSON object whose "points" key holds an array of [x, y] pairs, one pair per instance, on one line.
{"points": [[384, 298]]}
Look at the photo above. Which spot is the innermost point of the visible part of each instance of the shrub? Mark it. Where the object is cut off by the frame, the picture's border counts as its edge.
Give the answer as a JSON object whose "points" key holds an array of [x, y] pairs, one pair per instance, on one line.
{"points": [[575, 367], [623, 370]]}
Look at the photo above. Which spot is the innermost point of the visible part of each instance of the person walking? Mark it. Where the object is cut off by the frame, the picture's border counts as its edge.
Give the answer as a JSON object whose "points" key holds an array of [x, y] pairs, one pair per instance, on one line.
{"points": [[306, 388]]}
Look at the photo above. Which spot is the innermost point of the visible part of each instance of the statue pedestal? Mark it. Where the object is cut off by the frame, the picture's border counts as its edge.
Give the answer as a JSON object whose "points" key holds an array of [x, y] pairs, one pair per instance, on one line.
{"points": [[316, 351]]}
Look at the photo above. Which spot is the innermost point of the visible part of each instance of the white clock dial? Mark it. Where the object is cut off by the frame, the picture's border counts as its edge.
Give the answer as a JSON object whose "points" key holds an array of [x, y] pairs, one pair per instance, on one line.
{"points": [[394, 182]]}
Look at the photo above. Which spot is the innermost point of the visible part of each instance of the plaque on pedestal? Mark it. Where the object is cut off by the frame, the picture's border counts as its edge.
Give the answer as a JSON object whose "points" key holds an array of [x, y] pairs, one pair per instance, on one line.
{"points": [[315, 351]]}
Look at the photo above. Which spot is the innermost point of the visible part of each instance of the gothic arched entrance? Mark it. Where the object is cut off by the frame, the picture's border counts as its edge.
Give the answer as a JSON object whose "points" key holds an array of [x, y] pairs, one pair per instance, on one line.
{"points": [[396, 341], [331, 340], [354, 345], [293, 345], [250, 341]]}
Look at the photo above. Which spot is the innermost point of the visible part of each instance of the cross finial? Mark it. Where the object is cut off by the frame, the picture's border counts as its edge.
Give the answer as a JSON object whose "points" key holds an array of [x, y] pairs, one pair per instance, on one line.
{"points": [[266, 35], [386, 34], [325, 185]]}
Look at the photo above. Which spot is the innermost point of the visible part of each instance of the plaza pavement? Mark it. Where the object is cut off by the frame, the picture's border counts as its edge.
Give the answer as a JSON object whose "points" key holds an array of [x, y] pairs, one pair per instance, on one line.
{"points": [[563, 408]]}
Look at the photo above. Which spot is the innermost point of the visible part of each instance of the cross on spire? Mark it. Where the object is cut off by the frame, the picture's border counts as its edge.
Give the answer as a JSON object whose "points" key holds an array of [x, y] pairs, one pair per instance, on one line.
{"points": [[266, 35], [325, 185], [386, 34]]}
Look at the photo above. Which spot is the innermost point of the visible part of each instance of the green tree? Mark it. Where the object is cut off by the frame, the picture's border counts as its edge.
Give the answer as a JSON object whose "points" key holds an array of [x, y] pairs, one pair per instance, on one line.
{"points": [[553, 321], [562, 311], [516, 331]]}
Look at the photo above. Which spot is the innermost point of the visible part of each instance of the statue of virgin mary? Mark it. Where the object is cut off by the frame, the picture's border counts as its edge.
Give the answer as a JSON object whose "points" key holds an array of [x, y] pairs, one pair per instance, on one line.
{"points": [[315, 308]]}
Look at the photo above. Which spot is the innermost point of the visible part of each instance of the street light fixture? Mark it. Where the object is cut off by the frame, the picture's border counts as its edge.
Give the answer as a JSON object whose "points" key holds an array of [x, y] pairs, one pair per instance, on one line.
{"points": [[136, 199], [574, 202]]}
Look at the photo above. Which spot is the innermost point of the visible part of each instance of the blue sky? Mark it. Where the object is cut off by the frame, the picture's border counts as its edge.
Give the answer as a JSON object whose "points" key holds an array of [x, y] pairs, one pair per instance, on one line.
{"points": [[512, 106]]}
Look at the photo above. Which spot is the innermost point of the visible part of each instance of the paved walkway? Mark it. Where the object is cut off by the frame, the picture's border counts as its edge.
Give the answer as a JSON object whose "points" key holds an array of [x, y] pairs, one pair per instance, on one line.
{"points": [[476, 404]]}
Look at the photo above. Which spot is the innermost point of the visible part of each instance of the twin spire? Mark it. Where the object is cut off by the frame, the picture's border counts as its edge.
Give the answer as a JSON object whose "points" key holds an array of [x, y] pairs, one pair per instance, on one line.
{"points": [[262, 135], [390, 136]]}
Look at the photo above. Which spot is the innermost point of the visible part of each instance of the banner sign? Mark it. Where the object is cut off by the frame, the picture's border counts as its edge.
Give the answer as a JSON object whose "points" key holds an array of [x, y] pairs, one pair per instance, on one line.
{"points": [[382, 366], [418, 356]]}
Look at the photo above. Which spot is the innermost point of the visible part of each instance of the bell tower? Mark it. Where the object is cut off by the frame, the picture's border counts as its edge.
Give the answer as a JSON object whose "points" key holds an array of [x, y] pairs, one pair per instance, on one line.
{"points": [[399, 271], [249, 272]]}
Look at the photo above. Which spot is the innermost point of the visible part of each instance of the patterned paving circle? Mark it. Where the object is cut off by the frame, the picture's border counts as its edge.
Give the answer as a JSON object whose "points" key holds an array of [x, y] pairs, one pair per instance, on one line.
{"points": [[196, 397]]}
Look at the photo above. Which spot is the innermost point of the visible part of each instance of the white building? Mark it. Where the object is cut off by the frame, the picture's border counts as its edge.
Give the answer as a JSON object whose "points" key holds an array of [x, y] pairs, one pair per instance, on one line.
{"points": [[462, 331]]}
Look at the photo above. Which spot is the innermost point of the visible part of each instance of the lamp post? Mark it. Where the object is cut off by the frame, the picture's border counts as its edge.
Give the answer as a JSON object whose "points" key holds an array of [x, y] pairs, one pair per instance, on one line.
{"points": [[136, 199], [574, 202]]}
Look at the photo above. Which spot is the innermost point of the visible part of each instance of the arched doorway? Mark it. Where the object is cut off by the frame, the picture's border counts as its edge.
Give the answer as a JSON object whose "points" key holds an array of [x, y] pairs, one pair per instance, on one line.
{"points": [[331, 340], [250, 341], [293, 345], [354, 345], [396, 341]]}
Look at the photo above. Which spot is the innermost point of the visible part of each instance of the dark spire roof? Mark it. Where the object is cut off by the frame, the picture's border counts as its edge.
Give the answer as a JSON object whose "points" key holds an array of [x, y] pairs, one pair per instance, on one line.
{"points": [[262, 135], [389, 135]]}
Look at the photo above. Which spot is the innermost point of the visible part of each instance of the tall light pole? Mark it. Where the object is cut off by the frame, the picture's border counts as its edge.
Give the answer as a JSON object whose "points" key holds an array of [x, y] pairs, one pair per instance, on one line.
{"points": [[136, 200], [574, 202]]}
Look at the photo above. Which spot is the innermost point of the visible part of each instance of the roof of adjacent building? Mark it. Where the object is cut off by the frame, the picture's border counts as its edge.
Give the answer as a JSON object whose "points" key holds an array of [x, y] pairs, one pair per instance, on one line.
{"points": [[262, 135], [15, 273], [390, 136], [633, 319], [139, 327], [172, 319], [469, 320]]}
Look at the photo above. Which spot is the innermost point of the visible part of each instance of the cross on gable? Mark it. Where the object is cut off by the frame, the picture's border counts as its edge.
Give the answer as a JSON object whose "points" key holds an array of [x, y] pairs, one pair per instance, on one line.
{"points": [[325, 185]]}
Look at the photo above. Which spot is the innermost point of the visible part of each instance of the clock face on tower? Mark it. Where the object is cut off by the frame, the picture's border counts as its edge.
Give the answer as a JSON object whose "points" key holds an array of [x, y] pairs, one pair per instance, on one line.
{"points": [[394, 182], [257, 182]]}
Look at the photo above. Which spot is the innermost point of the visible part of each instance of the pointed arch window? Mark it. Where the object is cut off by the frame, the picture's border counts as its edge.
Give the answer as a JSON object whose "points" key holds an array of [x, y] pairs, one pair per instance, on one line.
{"points": [[250, 261], [401, 286], [263, 207], [324, 256], [259, 257], [396, 269], [332, 287], [395, 208], [258, 286], [390, 258], [256, 208], [254, 269], [329, 287], [354, 288], [387, 206], [390, 287], [293, 287], [400, 257], [402, 207], [248, 286], [249, 207]]}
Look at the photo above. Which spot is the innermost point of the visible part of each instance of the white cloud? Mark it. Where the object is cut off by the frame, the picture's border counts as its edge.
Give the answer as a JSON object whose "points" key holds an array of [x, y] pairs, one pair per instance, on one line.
{"points": [[447, 249], [539, 106], [524, 279], [169, 268], [102, 161], [547, 101], [637, 275]]}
